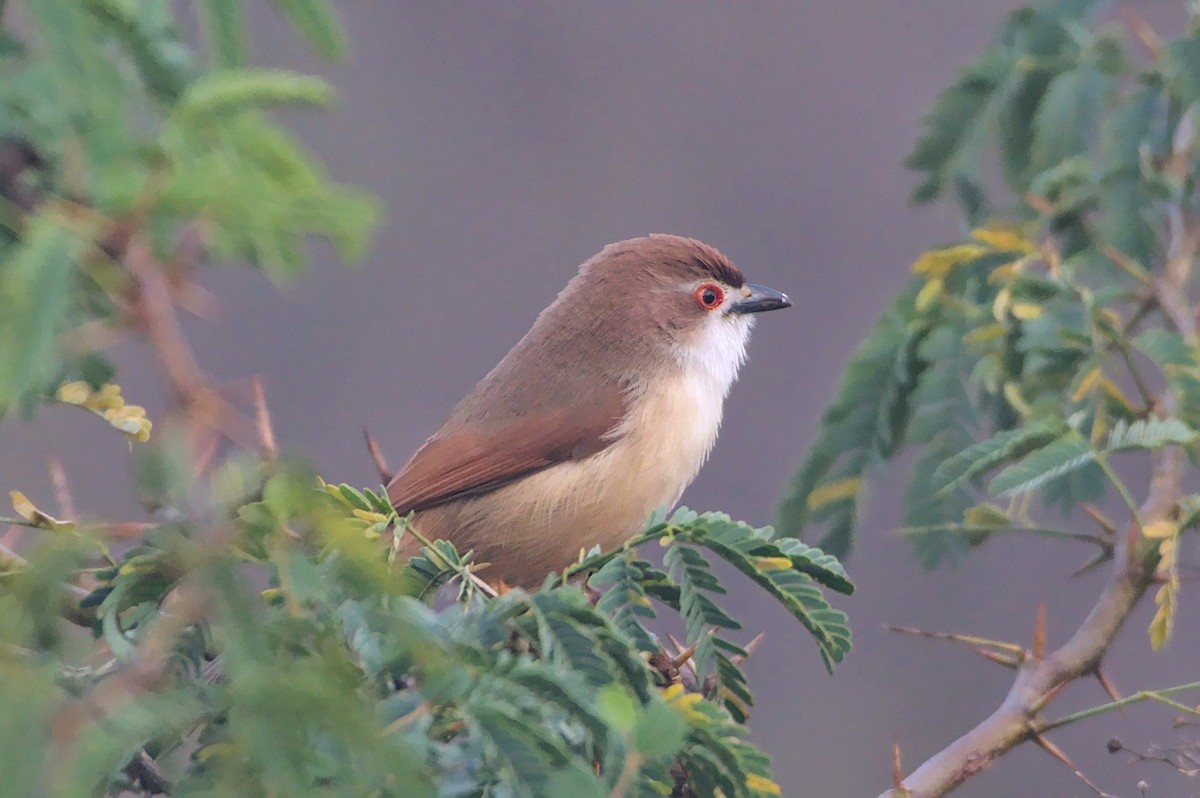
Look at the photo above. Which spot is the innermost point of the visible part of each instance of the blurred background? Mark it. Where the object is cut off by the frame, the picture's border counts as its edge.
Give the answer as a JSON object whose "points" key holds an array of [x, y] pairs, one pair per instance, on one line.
{"points": [[512, 141]]}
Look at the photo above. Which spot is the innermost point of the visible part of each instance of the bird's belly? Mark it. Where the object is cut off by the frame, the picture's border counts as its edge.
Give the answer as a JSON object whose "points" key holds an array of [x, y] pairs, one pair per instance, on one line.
{"points": [[543, 521]]}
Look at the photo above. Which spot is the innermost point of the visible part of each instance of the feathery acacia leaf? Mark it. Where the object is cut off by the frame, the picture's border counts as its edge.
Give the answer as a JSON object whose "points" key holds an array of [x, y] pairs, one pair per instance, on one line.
{"points": [[864, 423], [1057, 458], [237, 89], [1004, 446]]}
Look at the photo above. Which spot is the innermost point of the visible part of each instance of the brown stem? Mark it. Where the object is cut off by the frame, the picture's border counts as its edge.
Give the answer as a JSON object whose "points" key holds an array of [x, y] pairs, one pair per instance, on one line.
{"points": [[1014, 721], [201, 402], [1039, 680]]}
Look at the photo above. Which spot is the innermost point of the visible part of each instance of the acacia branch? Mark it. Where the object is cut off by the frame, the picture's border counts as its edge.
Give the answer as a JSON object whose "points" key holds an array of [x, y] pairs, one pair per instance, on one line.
{"points": [[154, 307], [1039, 679], [1015, 721]]}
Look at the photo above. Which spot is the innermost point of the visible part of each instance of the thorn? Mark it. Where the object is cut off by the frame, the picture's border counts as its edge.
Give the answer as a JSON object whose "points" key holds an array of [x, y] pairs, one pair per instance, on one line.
{"points": [[1132, 535], [1039, 633], [1109, 687], [1126, 264], [1053, 750], [683, 656], [897, 772], [381, 466], [970, 640], [750, 648], [1101, 520], [1058, 754], [686, 670], [1051, 694], [1007, 660], [206, 456], [62, 491], [9, 540], [125, 530], [262, 420], [1039, 204], [1142, 31], [1102, 557]]}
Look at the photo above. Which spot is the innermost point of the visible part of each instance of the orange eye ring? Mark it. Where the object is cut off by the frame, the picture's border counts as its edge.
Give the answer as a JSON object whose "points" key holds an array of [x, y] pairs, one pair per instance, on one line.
{"points": [[709, 296]]}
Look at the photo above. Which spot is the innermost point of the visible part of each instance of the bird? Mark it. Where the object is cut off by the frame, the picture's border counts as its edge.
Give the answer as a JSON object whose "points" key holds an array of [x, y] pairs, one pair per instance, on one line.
{"points": [[601, 414]]}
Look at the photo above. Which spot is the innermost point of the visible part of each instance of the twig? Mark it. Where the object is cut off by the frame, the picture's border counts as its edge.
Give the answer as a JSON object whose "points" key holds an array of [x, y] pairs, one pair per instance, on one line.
{"points": [[1142, 695], [381, 466], [262, 418], [1061, 756], [988, 529], [1009, 725], [202, 404], [62, 491], [971, 640], [143, 770]]}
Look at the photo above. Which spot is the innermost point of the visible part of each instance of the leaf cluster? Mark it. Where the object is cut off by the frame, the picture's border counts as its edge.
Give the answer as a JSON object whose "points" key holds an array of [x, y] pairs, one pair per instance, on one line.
{"points": [[113, 129], [1038, 344], [339, 677], [256, 633]]}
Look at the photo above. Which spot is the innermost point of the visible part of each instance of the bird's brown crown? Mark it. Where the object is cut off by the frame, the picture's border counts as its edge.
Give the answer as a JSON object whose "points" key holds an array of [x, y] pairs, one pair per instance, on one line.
{"points": [[685, 258]]}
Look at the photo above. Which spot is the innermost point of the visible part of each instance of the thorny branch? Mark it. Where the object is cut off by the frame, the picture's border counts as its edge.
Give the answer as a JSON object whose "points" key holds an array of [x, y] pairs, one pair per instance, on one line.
{"points": [[205, 410], [1040, 678]]}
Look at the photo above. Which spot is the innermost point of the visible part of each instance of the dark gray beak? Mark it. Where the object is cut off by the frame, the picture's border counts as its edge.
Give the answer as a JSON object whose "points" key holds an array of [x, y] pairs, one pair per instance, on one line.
{"points": [[759, 299]]}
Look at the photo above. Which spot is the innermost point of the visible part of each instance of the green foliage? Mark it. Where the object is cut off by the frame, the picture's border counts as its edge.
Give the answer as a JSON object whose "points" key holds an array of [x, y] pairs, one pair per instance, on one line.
{"points": [[131, 161], [112, 127], [338, 680], [861, 427], [1020, 361]]}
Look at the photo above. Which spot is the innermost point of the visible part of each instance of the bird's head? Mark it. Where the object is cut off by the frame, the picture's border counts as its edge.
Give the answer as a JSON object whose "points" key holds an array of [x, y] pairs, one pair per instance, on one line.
{"points": [[672, 295]]}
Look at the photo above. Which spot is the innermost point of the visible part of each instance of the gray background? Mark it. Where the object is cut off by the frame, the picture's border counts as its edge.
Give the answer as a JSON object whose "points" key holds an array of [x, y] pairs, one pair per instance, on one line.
{"points": [[510, 142]]}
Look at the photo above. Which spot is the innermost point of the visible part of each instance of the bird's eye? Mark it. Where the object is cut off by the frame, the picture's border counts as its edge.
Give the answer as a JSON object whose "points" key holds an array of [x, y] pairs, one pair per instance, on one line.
{"points": [[709, 296]]}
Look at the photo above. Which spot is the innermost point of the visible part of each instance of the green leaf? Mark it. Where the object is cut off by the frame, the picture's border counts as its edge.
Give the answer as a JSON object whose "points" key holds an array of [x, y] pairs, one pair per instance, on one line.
{"points": [[1153, 433], [565, 692], [81, 76], [225, 29], [948, 147], [263, 192], [157, 50], [1054, 460], [227, 91], [626, 602], [864, 423], [1179, 364], [35, 292], [1069, 116], [659, 731], [1130, 212], [985, 455], [1182, 68], [524, 749], [753, 553], [315, 21], [566, 641]]}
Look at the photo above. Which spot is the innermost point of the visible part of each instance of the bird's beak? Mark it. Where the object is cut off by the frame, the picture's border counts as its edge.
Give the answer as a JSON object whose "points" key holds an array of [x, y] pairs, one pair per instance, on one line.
{"points": [[757, 298]]}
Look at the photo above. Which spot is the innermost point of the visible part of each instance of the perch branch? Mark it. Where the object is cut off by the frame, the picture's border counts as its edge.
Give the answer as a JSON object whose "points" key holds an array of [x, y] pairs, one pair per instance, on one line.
{"points": [[1015, 721], [1039, 679]]}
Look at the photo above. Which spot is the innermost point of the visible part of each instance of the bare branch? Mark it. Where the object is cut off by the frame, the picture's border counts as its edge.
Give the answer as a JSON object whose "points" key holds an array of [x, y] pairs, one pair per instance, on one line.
{"points": [[1014, 721]]}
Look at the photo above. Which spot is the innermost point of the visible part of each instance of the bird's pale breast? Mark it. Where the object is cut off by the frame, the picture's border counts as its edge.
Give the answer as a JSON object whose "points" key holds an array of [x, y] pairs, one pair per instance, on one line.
{"points": [[541, 522]]}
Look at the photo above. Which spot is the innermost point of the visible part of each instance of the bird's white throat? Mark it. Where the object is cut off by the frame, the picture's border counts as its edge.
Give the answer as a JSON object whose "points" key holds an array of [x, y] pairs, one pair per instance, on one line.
{"points": [[716, 352]]}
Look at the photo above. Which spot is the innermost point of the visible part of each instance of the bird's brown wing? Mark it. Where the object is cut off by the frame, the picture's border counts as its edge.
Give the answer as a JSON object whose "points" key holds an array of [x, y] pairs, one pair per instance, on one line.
{"points": [[468, 463]]}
